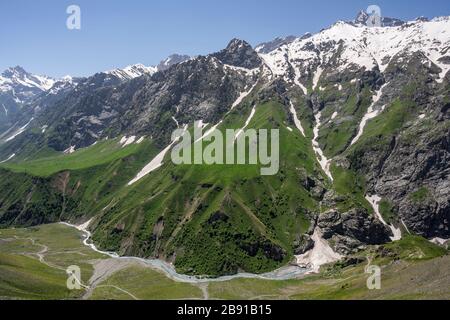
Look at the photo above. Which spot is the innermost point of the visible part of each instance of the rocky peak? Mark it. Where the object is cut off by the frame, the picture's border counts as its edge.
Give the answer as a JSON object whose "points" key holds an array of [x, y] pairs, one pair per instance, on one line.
{"points": [[361, 17], [267, 47], [131, 72], [14, 71], [19, 77], [172, 60], [239, 53]]}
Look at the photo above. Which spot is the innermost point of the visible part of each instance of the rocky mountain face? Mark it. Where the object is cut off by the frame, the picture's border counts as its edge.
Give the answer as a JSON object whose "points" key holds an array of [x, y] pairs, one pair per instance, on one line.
{"points": [[46, 97], [368, 160], [384, 73], [105, 106], [131, 72], [267, 47], [18, 87], [172, 60], [239, 53], [22, 85]]}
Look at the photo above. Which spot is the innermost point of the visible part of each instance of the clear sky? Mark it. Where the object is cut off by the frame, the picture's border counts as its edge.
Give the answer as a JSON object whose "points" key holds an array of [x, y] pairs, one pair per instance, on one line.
{"points": [[117, 33]]}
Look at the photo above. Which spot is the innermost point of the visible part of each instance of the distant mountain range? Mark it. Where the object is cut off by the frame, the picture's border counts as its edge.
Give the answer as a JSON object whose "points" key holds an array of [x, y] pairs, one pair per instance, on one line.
{"points": [[364, 120]]}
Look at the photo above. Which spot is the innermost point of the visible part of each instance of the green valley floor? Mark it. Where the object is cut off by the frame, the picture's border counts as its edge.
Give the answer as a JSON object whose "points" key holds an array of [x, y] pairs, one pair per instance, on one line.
{"points": [[33, 263]]}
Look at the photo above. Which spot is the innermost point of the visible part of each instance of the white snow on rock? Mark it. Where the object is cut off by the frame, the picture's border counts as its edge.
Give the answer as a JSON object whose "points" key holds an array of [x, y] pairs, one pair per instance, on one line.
{"points": [[140, 140], [316, 77], [129, 141], [375, 203], [70, 150], [132, 71], [334, 115], [405, 226], [4, 109], [247, 122], [123, 140], [439, 241], [297, 77], [208, 132], [370, 114], [297, 122], [240, 69], [19, 131], [319, 255], [239, 99], [176, 121], [155, 163], [362, 47], [323, 161], [9, 158], [242, 96]]}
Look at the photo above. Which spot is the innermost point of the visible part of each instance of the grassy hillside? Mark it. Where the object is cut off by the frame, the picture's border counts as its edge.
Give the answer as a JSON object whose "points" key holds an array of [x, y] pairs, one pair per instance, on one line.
{"points": [[101, 153]]}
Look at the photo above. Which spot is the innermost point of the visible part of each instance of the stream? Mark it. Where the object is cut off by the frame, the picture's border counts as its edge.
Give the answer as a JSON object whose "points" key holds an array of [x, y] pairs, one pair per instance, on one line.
{"points": [[283, 273]]}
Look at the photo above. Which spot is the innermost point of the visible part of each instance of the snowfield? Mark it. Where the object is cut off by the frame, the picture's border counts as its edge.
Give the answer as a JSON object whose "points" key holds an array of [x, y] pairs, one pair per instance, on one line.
{"points": [[363, 47]]}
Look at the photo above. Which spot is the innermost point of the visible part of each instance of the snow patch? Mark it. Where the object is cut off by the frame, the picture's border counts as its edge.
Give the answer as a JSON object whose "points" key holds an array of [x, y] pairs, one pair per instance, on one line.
{"points": [[375, 203], [370, 114], [247, 122], [70, 150], [140, 140], [334, 115], [439, 241], [316, 77], [323, 161], [319, 255], [128, 141], [155, 163], [242, 96], [9, 158], [297, 122], [175, 120], [20, 131]]}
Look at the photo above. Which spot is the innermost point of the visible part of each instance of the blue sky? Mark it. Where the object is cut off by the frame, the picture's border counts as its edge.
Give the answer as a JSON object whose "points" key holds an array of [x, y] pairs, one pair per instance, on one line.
{"points": [[116, 33]]}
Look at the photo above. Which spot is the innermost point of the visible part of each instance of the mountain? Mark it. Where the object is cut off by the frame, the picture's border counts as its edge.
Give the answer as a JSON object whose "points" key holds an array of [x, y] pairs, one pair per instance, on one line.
{"points": [[172, 60], [18, 87], [239, 53], [18, 113], [363, 19], [132, 72], [363, 117], [23, 85], [267, 47]]}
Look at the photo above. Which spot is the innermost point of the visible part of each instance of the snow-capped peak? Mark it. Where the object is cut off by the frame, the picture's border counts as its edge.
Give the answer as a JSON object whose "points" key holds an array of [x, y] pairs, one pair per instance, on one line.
{"points": [[348, 45], [17, 76], [132, 71]]}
